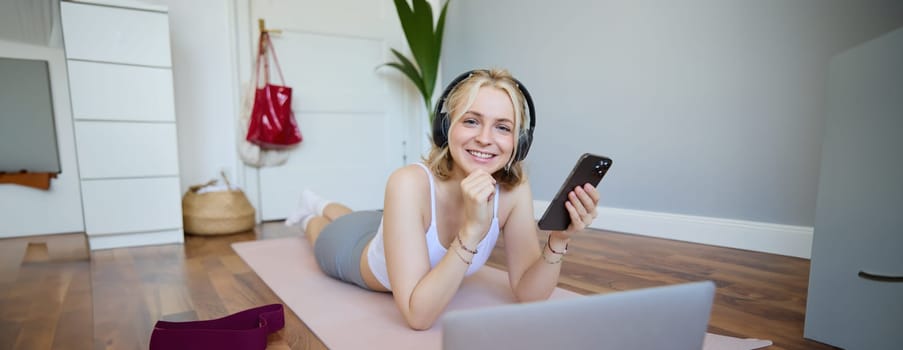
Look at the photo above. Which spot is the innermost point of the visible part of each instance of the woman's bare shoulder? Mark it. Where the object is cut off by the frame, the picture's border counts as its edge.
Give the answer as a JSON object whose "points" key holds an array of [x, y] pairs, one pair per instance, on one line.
{"points": [[407, 195], [410, 174], [407, 182]]}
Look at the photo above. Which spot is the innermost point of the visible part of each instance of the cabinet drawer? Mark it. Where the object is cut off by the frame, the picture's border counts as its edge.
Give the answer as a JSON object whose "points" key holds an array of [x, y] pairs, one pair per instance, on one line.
{"points": [[108, 34], [115, 149], [120, 92], [131, 205]]}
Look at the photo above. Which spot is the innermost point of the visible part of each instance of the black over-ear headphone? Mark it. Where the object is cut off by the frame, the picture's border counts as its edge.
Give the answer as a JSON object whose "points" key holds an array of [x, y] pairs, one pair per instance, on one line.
{"points": [[441, 120]]}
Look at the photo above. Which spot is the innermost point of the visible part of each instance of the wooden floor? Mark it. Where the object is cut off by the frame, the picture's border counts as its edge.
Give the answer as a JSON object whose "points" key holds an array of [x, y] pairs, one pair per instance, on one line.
{"points": [[54, 294]]}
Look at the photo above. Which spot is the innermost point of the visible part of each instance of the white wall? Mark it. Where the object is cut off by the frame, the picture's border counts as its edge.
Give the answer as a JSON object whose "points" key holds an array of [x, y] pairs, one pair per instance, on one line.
{"points": [[212, 57], [26, 211], [205, 79]]}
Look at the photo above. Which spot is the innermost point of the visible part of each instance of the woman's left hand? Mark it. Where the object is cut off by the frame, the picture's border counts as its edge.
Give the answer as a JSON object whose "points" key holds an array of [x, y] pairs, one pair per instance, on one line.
{"points": [[581, 205]]}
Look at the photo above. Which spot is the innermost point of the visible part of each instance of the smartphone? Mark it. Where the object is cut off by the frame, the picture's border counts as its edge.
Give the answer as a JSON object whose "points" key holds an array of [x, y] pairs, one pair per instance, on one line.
{"points": [[590, 168]]}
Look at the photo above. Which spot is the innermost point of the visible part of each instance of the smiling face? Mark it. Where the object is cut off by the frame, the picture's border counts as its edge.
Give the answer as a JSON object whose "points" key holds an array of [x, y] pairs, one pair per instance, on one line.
{"points": [[484, 136], [479, 125]]}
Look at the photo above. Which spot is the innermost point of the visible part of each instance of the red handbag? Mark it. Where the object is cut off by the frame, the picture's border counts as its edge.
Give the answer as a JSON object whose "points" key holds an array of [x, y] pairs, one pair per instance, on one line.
{"points": [[272, 123]]}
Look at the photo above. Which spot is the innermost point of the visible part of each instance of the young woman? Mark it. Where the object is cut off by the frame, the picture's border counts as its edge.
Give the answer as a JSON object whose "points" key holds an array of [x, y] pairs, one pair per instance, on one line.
{"points": [[441, 219]]}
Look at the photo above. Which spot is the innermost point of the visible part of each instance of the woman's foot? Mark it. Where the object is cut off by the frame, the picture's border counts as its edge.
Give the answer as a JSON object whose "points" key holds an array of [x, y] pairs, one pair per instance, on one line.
{"points": [[309, 206]]}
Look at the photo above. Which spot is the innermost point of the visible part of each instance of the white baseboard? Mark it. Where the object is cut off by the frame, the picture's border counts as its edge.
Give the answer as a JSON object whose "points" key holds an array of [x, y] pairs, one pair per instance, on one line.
{"points": [[750, 235], [97, 242]]}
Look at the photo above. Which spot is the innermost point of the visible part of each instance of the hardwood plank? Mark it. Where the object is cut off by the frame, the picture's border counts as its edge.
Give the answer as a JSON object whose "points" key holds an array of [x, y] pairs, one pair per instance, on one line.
{"points": [[36, 333], [12, 252], [9, 332], [36, 252], [75, 325]]}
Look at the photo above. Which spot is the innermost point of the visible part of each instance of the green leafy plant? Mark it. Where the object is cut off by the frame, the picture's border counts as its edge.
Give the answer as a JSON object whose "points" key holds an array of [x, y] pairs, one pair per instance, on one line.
{"points": [[425, 44]]}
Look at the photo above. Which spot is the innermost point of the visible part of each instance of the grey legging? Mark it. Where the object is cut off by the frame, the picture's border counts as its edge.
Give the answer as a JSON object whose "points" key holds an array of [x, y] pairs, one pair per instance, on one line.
{"points": [[339, 247]]}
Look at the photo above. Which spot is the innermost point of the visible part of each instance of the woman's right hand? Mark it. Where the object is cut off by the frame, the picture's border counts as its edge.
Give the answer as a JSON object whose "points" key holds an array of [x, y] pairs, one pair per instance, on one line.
{"points": [[477, 190]]}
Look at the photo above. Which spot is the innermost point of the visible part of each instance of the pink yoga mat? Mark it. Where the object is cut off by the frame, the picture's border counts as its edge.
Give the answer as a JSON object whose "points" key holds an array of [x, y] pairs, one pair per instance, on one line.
{"points": [[345, 316]]}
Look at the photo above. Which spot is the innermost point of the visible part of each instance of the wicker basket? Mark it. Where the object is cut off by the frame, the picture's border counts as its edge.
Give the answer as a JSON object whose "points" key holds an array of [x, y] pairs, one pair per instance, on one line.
{"points": [[216, 213]]}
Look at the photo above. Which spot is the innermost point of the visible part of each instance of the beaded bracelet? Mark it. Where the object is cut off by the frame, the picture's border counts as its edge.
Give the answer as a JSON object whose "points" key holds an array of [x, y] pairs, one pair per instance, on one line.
{"points": [[549, 244], [458, 253], [545, 257], [474, 251]]}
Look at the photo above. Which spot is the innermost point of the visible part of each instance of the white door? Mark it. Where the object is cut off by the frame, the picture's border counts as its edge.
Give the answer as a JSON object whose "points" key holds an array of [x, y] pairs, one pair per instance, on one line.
{"points": [[354, 117]]}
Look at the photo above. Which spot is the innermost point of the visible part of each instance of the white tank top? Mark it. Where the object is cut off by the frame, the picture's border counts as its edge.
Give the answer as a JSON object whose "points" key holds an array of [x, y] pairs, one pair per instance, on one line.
{"points": [[376, 255]]}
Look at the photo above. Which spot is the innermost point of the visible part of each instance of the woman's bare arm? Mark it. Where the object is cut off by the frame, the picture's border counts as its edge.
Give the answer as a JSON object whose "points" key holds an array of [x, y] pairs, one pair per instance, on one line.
{"points": [[533, 269], [421, 294]]}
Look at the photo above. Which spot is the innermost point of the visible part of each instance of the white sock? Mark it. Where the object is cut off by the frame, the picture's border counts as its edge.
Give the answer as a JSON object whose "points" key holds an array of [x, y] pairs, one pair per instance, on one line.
{"points": [[309, 206]]}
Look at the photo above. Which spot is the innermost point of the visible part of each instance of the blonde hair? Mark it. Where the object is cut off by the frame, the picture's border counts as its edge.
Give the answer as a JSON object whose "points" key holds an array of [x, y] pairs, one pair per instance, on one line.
{"points": [[459, 101]]}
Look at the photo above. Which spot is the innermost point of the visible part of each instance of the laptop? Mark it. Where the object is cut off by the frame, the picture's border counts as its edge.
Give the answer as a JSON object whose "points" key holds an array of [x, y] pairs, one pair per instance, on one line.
{"points": [[670, 317]]}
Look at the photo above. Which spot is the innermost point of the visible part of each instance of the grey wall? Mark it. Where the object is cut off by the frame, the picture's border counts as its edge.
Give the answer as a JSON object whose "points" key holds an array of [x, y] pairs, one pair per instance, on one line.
{"points": [[708, 107]]}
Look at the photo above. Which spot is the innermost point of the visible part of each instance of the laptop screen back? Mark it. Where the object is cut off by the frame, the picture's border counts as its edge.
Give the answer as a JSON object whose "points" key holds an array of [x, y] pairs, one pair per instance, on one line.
{"points": [[671, 317]]}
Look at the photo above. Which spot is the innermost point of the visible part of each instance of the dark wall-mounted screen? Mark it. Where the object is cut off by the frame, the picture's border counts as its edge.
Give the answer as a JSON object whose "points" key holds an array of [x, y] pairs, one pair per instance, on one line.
{"points": [[27, 130]]}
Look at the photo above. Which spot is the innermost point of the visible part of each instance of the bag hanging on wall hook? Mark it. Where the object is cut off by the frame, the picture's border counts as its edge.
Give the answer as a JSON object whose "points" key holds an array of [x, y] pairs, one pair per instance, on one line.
{"points": [[272, 123]]}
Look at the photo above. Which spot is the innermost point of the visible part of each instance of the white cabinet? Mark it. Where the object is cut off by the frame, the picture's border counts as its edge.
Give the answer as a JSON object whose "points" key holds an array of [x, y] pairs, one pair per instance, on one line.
{"points": [[120, 80]]}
